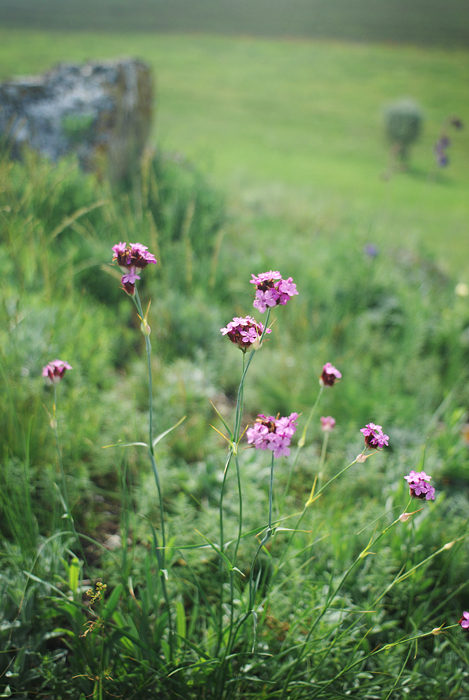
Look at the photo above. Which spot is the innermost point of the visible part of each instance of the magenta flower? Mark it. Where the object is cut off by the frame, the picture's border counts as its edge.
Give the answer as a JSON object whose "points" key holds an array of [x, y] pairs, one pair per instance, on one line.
{"points": [[272, 290], [327, 423], [131, 258], [329, 375], [464, 621], [419, 486], [274, 434], [244, 332], [374, 436], [55, 370]]}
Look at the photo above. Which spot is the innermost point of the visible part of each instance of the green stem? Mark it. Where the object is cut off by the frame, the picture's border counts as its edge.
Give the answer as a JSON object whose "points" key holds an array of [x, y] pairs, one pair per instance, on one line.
{"points": [[160, 552]]}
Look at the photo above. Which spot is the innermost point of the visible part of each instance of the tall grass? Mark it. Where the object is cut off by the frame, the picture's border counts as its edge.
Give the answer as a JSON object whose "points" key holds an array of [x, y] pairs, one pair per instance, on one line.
{"points": [[341, 602]]}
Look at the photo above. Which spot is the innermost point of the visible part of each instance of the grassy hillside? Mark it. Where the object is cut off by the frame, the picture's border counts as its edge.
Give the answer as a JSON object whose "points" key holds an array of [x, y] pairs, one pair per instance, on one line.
{"points": [[293, 130], [413, 21]]}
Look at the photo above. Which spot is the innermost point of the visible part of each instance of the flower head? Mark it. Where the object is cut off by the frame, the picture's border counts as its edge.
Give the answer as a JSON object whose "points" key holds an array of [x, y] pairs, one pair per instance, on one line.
{"points": [[464, 621], [272, 290], [274, 434], [329, 375], [244, 332], [131, 258], [419, 486], [55, 370], [374, 436], [327, 423], [371, 250]]}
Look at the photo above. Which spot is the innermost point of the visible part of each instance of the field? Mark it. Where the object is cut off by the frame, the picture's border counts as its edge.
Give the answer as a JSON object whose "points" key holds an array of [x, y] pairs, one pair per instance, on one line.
{"points": [[298, 123], [227, 579]]}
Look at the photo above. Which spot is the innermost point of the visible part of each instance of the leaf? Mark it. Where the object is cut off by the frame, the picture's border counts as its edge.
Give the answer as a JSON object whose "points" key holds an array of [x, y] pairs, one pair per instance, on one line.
{"points": [[112, 603], [180, 619], [222, 420], [73, 574], [125, 444], [162, 435]]}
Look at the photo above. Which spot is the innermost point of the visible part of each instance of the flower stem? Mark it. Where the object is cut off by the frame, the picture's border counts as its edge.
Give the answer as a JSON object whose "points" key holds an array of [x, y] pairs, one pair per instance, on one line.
{"points": [[160, 552]]}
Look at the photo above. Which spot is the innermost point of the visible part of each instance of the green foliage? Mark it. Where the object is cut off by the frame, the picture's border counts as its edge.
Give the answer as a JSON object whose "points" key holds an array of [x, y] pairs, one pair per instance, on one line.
{"points": [[403, 122], [321, 612]]}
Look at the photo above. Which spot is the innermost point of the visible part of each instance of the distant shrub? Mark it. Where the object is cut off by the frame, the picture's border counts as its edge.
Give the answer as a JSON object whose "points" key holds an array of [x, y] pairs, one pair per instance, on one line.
{"points": [[403, 123]]}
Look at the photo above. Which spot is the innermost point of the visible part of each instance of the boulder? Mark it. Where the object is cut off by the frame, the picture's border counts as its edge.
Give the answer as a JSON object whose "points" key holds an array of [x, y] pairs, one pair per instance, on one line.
{"points": [[101, 111]]}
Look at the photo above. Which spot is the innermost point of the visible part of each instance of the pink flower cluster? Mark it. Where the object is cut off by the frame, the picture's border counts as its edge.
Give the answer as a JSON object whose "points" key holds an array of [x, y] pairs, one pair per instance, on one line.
{"points": [[272, 290], [330, 375], [243, 332], [55, 370], [275, 434], [419, 486], [374, 436], [464, 621], [327, 424], [131, 259]]}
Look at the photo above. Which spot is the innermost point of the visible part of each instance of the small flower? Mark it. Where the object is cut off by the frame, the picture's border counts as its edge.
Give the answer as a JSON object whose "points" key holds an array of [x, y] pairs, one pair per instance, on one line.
{"points": [[244, 332], [374, 436], [274, 434], [419, 486], [464, 621], [327, 423], [456, 122], [55, 370], [131, 258], [329, 375], [371, 250], [272, 290]]}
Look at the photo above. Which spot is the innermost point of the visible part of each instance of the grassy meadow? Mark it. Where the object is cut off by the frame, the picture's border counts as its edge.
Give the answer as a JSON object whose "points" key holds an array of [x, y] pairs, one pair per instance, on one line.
{"points": [[299, 124], [268, 154]]}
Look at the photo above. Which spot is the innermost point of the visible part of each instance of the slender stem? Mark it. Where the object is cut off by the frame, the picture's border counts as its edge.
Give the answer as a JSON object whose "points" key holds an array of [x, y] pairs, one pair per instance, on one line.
{"points": [[160, 553], [271, 488], [322, 459]]}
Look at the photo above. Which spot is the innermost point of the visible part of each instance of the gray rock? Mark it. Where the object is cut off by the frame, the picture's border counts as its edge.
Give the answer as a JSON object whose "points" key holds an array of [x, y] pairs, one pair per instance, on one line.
{"points": [[102, 111]]}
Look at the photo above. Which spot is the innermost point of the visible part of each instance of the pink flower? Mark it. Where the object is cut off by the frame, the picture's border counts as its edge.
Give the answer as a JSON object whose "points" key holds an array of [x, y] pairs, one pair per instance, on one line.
{"points": [[274, 434], [244, 332], [131, 258], [327, 423], [272, 290], [464, 621], [374, 436], [419, 486], [55, 370], [329, 375]]}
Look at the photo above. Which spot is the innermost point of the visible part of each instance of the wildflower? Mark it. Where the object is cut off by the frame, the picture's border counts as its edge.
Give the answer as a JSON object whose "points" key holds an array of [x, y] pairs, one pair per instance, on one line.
{"points": [[456, 122], [327, 423], [374, 436], [55, 370], [371, 250], [244, 332], [464, 621], [272, 290], [329, 375], [131, 259], [274, 434], [419, 486]]}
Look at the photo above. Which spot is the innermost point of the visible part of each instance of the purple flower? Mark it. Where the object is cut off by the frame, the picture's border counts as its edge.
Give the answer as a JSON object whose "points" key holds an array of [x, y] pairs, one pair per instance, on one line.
{"points": [[464, 621], [274, 434], [244, 332], [419, 486], [327, 423], [272, 290], [371, 250], [329, 375], [374, 436], [55, 370], [131, 258]]}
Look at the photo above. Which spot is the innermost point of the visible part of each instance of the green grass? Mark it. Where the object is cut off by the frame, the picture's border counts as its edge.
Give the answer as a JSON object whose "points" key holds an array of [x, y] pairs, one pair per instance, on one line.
{"points": [[298, 119]]}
